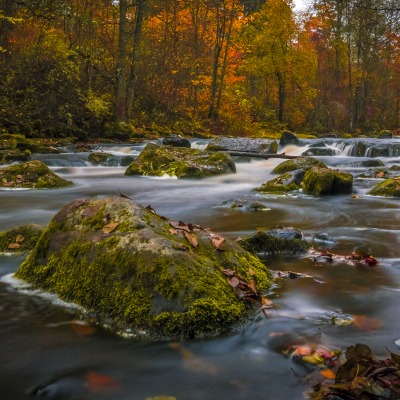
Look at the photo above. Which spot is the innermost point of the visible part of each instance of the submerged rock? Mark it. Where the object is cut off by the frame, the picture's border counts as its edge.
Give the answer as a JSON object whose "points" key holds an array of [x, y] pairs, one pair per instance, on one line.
{"points": [[388, 188], [324, 238], [20, 239], [326, 181], [303, 163], [264, 243], [136, 270], [244, 205], [180, 162], [32, 174]]}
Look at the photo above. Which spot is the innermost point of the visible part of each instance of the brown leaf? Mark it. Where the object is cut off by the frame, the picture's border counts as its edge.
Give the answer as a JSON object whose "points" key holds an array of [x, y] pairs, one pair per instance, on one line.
{"points": [[366, 323], [20, 238], [234, 282], [253, 287], [228, 272], [174, 231], [14, 246], [251, 272], [101, 383], [110, 227], [191, 238], [218, 242], [179, 225]]}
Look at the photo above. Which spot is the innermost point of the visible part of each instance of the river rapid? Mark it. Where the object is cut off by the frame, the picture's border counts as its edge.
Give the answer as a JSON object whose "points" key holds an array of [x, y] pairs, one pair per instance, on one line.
{"points": [[48, 351]]}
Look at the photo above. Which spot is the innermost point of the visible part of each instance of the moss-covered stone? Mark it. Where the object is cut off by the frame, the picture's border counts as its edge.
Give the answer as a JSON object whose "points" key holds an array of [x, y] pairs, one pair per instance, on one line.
{"points": [[263, 243], [304, 163], [32, 174], [143, 274], [98, 157], [388, 188], [325, 181], [281, 185], [180, 162], [20, 239]]}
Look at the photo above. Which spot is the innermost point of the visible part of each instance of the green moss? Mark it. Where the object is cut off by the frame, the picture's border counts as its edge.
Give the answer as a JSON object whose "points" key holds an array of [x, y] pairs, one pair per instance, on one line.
{"points": [[181, 162], [388, 188], [325, 181], [304, 163], [281, 185], [140, 276], [20, 239], [32, 174]]}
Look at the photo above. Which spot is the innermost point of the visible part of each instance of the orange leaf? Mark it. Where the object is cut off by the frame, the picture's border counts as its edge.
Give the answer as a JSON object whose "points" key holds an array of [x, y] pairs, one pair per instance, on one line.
{"points": [[20, 238], [14, 246], [366, 323], [328, 373], [191, 238], [303, 350], [101, 383], [251, 272], [253, 287], [110, 227]]}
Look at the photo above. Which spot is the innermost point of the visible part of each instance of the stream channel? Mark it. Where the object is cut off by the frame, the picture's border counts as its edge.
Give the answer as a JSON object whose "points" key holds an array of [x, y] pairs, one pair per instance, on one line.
{"points": [[46, 351]]}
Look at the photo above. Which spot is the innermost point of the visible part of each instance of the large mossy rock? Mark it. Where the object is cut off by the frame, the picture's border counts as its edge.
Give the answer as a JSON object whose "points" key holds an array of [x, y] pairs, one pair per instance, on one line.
{"points": [[326, 181], [20, 239], [388, 188], [136, 270], [303, 163], [180, 162], [32, 174], [288, 138]]}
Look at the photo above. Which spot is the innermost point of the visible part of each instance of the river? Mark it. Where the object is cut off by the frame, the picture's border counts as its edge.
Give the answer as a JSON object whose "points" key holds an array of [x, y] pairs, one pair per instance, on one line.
{"points": [[46, 351]]}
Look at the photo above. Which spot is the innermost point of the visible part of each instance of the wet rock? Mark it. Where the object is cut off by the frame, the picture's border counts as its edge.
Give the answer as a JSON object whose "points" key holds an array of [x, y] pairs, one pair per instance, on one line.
{"points": [[288, 182], [244, 205], [32, 174], [264, 243], [388, 188], [324, 238], [325, 181], [286, 233], [303, 163], [376, 173], [140, 271], [287, 138], [20, 239], [249, 145], [320, 151], [365, 163], [180, 162], [98, 157], [176, 141]]}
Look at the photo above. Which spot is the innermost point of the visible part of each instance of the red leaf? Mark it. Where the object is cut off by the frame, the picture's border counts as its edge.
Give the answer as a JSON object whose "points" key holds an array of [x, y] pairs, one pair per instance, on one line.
{"points": [[366, 323], [101, 383]]}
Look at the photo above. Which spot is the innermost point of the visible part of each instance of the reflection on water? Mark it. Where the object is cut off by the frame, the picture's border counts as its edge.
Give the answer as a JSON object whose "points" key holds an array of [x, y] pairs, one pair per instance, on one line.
{"points": [[46, 353]]}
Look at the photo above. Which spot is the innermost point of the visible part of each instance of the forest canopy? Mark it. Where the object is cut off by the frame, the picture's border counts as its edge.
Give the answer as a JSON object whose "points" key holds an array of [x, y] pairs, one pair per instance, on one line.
{"points": [[85, 68]]}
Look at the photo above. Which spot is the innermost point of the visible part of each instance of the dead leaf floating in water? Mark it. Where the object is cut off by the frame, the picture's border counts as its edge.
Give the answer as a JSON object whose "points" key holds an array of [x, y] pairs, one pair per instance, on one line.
{"points": [[101, 383], [367, 324]]}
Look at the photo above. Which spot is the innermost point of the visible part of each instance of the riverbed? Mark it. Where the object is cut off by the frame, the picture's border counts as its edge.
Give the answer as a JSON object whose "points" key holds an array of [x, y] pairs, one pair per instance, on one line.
{"points": [[48, 351]]}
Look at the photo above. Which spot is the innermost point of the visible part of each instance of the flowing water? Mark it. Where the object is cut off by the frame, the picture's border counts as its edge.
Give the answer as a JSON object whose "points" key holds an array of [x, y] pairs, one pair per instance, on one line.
{"points": [[46, 351]]}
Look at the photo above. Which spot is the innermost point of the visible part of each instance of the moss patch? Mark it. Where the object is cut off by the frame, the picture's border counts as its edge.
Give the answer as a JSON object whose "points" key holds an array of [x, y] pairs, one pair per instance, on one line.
{"points": [[304, 163], [141, 275], [281, 185], [32, 174], [98, 157], [388, 188], [324, 181], [181, 162], [20, 239]]}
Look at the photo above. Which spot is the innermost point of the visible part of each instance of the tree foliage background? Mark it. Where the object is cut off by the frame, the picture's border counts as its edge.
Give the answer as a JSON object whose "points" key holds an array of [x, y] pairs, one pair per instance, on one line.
{"points": [[87, 67]]}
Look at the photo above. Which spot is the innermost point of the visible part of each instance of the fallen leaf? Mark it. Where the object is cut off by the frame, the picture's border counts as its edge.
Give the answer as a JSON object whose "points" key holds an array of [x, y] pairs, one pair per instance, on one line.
{"points": [[266, 302], [14, 246], [20, 238], [218, 242], [304, 350], [180, 225], [366, 323], [253, 287], [251, 272], [174, 231], [314, 359], [82, 328], [355, 197], [191, 238], [381, 174], [328, 373], [110, 227], [229, 272], [101, 383], [234, 282]]}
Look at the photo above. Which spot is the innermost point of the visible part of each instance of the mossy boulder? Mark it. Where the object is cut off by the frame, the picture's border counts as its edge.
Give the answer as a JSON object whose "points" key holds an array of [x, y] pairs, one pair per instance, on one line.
{"points": [[304, 163], [32, 174], [98, 157], [326, 181], [136, 270], [281, 185], [288, 138], [180, 162], [266, 243], [388, 188], [20, 239]]}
